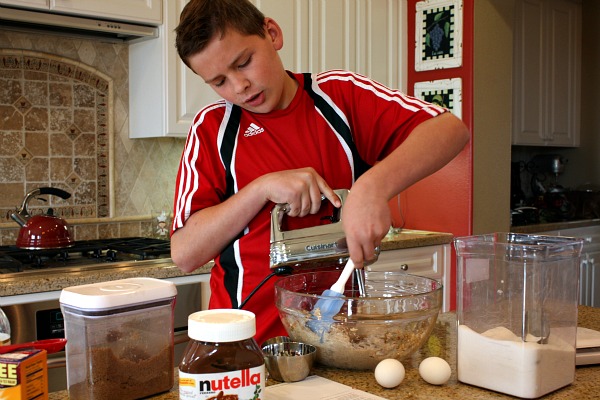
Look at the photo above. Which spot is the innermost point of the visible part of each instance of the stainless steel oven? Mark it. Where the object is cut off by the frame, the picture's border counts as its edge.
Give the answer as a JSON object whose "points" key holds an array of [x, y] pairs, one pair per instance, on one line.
{"points": [[37, 316]]}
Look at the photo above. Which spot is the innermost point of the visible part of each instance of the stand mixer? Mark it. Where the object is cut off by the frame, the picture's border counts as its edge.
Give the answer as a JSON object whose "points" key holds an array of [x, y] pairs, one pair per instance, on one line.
{"points": [[553, 201], [557, 167], [548, 163]]}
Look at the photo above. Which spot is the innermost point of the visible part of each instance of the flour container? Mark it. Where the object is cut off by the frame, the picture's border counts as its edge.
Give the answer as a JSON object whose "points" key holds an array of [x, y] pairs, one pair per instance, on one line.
{"points": [[119, 338], [517, 299]]}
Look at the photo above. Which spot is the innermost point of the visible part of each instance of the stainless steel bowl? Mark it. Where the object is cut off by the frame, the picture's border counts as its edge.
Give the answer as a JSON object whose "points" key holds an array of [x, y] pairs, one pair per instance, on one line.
{"points": [[289, 361], [276, 339]]}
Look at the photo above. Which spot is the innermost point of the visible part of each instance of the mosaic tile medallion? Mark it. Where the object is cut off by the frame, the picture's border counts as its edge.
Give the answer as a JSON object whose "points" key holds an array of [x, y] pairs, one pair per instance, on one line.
{"points": [[56, 130]]}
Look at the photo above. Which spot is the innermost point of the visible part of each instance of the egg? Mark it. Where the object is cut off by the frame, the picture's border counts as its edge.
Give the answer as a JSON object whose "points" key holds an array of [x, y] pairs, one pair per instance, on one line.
{"points": [[435, 370], [389, 373]]}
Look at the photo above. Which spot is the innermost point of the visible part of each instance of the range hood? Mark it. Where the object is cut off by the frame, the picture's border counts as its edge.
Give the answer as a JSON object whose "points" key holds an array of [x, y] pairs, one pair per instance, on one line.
{"points": [[71, 25]]}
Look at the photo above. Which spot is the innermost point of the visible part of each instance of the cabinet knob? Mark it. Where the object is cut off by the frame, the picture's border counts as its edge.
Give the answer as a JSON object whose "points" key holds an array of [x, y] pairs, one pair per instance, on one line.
{"points": [[404, 267]]}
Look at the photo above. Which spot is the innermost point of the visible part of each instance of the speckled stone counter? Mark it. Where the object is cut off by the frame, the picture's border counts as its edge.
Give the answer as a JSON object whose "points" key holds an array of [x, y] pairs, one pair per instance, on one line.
{"points": [[408, 238], [442, 343], [555, 226], [48, 280], [55, 279]]}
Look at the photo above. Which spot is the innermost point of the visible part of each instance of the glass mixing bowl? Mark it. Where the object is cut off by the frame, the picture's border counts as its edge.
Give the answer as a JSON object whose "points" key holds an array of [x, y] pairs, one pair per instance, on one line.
{"points": [[393, 320]]}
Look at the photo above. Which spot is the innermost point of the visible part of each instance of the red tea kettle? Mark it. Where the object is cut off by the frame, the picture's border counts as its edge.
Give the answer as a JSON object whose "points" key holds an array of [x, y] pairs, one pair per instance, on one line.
{"points": [[42, 231]]}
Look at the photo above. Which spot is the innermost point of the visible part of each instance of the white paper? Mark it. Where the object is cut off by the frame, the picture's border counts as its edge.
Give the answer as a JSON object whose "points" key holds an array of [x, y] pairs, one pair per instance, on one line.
{"points": [[587, 338], [316, 388]]}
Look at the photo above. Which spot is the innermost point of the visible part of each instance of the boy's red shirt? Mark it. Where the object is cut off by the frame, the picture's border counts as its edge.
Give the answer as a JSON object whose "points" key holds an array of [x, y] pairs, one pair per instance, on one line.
{"points": [[379, 118]]}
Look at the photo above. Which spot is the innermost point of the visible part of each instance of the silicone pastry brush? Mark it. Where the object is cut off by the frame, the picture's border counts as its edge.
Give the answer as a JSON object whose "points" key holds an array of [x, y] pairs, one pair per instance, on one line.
{"points": [[331, 303]]}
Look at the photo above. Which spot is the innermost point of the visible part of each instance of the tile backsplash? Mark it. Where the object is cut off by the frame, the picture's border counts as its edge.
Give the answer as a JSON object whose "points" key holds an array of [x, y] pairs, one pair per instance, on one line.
{"points": [[55, 131], [64, 105]]}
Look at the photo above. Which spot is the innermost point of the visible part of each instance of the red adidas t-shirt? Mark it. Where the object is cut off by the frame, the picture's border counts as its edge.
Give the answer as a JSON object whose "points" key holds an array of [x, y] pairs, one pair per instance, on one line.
{"points": [[379, 118]]}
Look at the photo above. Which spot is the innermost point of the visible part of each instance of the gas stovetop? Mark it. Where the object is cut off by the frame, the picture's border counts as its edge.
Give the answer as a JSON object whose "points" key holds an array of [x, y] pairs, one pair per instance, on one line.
{"points": [[83, 253]]}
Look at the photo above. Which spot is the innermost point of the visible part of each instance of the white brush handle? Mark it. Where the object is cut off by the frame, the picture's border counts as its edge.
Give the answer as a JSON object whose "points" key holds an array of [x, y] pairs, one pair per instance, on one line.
{"points": [[339, 286]]}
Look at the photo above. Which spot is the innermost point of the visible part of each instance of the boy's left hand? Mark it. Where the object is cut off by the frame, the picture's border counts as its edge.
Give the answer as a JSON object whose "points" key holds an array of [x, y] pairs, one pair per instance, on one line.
{"points": [[366, 220]]}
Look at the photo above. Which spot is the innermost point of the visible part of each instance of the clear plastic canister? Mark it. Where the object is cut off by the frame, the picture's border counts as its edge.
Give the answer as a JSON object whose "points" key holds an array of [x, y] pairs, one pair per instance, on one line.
{"points": [[4, 329], [119, 338], [517, 298]]}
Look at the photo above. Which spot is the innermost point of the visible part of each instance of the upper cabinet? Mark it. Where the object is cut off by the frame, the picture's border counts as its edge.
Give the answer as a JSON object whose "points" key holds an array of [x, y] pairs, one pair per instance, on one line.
{"points": [[42, 4], [359, 35], [140, 11], [547, 73], [164, 94]]}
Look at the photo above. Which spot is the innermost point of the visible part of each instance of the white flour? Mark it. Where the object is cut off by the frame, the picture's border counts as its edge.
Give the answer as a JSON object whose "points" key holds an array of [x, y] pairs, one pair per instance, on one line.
{"points": [[499, 360]]}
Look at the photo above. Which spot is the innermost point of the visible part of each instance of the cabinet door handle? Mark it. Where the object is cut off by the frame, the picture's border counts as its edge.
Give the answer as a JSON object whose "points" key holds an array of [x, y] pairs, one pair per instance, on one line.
{"points": [[404, 267]]}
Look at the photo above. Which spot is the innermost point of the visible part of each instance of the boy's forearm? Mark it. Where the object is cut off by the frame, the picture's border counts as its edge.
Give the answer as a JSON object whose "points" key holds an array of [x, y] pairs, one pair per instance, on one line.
{"points": [[208, 231], [432, 145]]}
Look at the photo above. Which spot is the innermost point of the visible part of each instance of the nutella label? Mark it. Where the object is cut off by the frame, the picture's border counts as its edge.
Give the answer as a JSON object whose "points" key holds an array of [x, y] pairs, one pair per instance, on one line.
{"points": [[246, 384]]}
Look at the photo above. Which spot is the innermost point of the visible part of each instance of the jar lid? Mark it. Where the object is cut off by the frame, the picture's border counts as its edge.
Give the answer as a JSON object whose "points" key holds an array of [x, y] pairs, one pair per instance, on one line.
{"points": [[119, 293], [221, 325]]}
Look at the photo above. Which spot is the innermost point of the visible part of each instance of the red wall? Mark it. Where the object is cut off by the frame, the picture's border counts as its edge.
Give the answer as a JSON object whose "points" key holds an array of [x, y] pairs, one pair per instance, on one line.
{"points": [[443, 201]]}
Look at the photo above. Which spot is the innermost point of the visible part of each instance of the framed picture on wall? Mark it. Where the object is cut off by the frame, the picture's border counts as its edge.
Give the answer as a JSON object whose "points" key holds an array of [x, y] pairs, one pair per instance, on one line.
{"points": [[446, 93], [438, 36]]}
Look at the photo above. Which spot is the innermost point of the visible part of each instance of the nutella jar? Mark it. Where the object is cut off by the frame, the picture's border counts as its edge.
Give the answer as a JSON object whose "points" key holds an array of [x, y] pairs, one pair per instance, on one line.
{"points": [[222, 359]]}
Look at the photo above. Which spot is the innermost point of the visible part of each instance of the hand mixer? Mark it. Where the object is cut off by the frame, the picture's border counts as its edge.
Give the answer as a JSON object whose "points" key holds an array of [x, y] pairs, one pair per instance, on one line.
{"points": [[312, 247]]}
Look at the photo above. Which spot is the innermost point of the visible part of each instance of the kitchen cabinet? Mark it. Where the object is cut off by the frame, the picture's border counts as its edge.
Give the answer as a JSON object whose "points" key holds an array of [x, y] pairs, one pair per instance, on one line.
{"points": [[140, 11], [42, 4], [547, 64], [429, 261], [164, 94], [589, 268], [358, 35]]}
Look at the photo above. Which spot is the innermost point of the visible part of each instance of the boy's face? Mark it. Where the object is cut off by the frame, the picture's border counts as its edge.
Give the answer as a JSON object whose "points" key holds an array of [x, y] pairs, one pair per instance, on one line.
{"points": [[247, 70]]}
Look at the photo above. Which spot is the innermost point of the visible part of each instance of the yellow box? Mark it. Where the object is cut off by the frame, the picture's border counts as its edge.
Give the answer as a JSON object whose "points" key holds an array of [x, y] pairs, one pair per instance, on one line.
{"points": [[24, 375]]}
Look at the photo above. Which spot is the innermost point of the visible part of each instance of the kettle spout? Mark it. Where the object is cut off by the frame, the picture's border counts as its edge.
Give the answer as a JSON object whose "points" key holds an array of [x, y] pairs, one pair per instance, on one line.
{"points": [[18, 218]]}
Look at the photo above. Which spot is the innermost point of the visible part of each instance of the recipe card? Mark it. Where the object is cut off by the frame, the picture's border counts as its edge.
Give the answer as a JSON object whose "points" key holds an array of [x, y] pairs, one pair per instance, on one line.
{"points": [[316, 388]]}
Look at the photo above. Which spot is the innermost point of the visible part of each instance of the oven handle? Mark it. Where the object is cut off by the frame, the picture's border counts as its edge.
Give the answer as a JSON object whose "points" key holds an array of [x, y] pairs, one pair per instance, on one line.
{"points": [[57, 362], [180, 337], [61, 362]]}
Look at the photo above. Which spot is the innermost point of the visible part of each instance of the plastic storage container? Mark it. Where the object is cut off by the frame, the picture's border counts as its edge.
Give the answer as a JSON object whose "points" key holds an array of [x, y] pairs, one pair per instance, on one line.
{"points": [[4, 329], [119, 338], [517, 299]]}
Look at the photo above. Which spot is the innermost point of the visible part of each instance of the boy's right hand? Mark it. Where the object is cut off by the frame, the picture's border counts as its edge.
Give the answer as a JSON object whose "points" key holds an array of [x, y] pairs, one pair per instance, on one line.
{"points": [[208, 231], [300, 188]]}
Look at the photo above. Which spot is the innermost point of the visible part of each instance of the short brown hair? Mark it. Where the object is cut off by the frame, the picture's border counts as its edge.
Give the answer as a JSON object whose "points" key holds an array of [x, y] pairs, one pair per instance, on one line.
{"points": [[201, 20]]}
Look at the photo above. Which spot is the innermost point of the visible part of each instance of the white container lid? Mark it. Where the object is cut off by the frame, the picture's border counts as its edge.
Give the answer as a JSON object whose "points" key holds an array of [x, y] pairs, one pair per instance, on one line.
{"points": [[221, 325], [119, 293]]}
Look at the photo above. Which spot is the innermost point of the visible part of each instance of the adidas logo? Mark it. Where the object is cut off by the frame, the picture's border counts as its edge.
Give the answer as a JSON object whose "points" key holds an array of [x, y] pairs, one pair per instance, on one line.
{"points": [[253, 130]]}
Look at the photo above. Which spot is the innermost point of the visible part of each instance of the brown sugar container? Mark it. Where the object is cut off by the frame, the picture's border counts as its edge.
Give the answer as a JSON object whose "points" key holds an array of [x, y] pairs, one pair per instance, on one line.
{"points": [[222, 359], [119, 338]]}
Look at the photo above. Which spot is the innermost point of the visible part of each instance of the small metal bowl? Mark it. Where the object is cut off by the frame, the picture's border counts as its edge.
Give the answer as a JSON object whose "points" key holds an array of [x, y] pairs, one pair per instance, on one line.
{"points": [[289, 361], [276, 339]]}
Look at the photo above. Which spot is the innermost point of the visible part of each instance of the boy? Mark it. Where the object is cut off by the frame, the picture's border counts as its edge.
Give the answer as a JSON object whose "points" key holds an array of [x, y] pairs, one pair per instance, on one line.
{"points": [[282, 137]]}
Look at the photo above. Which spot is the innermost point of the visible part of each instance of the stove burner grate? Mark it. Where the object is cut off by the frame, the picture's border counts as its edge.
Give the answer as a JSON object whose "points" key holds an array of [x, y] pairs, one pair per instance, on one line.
{"points": [[87, 252], [8, 262], [143, 247]]}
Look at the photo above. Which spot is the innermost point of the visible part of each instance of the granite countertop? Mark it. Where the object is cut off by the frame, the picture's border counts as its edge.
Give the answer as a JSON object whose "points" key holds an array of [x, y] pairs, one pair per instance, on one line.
{"points": [[55, 279], [407, 238], [442, 343], [555, 226]]}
